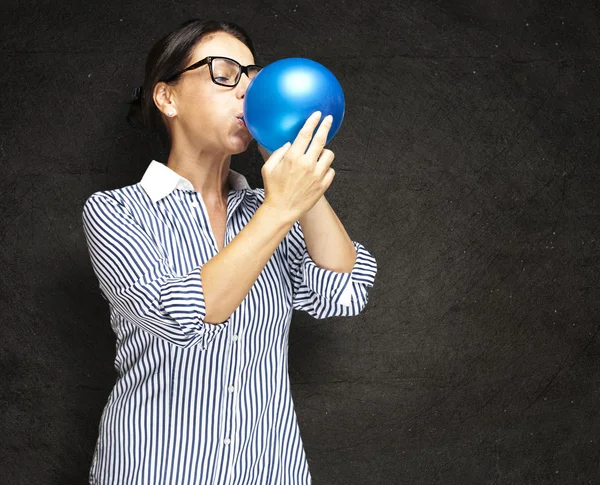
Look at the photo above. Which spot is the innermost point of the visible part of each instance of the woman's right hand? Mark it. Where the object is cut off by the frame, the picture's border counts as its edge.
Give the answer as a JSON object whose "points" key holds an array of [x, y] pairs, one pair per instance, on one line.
{"points": [[294, 180]]}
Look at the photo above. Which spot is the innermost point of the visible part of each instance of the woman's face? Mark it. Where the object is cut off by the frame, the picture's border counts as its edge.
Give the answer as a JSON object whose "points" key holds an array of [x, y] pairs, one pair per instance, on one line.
{"points": [[207, 113]]}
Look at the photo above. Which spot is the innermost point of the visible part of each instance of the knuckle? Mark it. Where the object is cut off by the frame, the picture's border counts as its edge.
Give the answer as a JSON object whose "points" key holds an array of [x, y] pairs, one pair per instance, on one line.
{"points": [[305, 163], [306, 134], [327, 155]]}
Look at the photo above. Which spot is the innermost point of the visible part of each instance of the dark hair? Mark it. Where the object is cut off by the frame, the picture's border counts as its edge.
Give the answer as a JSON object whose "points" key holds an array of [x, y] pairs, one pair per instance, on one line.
{"points": [[169, 55]]}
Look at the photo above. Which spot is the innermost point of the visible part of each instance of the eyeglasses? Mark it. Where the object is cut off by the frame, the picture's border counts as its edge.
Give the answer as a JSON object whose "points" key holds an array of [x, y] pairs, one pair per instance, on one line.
{"points": [[223, 70]]}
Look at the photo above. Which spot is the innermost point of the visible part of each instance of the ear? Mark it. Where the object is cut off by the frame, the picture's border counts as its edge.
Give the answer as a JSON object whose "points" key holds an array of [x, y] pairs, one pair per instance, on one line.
{"points": [[164, 98]]}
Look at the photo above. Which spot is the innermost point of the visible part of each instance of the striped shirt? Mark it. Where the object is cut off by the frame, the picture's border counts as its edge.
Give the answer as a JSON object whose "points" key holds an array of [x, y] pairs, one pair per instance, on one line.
{"points": [[194, 402]]}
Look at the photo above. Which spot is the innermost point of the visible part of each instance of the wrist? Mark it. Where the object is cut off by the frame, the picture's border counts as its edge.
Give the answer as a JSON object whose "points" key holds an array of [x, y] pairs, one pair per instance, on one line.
{"points": [[273, 213], [314, 209]]}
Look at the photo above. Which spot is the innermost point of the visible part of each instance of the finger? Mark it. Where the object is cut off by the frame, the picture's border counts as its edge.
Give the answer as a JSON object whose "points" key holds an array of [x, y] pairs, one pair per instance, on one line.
{"points": [[277, 155], [328, 178], [305, 135], [320, 138], [264, 152], [324, 161]]}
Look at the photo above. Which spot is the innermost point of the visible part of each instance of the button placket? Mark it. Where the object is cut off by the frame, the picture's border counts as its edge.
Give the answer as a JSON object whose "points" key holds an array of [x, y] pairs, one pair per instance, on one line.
{"points": [[231, 401], [233, 391]]}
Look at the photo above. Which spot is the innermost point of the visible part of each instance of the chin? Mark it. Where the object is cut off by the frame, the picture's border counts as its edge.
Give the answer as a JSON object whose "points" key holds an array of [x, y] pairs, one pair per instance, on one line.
{"points": [[240, 145]]}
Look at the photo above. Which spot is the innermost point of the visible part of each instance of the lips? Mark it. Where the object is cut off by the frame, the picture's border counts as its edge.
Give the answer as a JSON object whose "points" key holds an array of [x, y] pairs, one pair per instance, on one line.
{"points": [[240, 118]]}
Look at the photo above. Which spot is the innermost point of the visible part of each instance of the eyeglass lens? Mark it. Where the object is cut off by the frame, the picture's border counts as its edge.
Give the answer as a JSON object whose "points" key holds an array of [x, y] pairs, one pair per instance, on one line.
{"points": [[228, 72]]}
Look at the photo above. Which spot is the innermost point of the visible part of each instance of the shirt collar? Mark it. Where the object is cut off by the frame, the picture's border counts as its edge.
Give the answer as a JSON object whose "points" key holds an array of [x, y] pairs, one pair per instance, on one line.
{"points": [[159, 181]]}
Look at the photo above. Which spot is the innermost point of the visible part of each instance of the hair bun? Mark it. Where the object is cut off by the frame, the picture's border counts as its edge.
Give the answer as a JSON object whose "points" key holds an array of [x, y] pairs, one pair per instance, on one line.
{"points": [[138, 92], [135, 115]]}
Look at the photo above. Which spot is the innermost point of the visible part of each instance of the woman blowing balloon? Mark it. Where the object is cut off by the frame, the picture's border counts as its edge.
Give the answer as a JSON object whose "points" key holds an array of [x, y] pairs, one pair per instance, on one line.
{"points": [[202, 272]]}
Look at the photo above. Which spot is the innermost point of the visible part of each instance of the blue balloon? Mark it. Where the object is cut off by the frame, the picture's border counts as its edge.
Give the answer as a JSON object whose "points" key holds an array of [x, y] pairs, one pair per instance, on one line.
{"points": [[284, 94]]}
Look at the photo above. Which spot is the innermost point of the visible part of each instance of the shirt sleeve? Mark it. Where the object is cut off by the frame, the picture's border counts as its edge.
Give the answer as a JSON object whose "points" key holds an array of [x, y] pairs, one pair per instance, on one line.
{"points": [[324, 293], [137, 279]]}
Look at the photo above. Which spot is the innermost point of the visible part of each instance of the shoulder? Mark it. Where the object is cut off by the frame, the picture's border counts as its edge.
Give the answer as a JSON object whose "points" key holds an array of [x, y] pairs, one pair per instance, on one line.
{"points": [[123, 198]]}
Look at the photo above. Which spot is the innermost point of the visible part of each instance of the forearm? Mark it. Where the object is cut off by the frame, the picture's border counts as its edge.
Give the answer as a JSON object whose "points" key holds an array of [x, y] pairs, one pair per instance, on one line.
{"points": [[327, 241], [228, 277]]}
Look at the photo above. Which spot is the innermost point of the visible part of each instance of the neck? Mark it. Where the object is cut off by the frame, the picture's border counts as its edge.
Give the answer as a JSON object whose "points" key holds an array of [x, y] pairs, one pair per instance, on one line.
{"points": [[208, 173]]}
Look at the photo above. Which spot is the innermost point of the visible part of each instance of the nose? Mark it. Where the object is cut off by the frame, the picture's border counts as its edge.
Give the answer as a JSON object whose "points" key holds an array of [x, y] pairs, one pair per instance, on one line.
{"points": [[242, 86]]}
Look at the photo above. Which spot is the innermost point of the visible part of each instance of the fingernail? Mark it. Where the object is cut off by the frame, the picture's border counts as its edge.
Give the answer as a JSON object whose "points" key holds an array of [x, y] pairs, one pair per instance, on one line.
{"points": [[329, 119], [317, 113]]}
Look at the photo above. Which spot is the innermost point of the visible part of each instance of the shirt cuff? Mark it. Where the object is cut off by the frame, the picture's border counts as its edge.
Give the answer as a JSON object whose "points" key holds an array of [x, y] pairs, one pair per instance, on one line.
{"points": [[183, 300], [339, 287]]}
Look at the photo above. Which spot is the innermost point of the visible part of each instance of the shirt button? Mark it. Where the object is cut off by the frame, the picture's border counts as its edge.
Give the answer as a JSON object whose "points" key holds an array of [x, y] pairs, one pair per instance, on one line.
{"points": [[231, 388], [234, 338], [195, 204], [226, 441]]}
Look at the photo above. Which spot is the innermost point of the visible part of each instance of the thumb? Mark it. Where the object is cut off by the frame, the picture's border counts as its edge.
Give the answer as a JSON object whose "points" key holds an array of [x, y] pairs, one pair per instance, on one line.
{"points": [[264, 151], [277, 155]]}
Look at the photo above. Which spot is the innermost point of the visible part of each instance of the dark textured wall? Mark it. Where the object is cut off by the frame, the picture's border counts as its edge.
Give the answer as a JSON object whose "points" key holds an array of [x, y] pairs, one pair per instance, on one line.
{"points": [[467, 164]]}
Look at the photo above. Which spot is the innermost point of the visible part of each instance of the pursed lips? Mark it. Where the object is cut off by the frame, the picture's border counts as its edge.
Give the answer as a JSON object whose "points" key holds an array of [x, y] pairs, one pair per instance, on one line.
{"points": [[240, 118]]}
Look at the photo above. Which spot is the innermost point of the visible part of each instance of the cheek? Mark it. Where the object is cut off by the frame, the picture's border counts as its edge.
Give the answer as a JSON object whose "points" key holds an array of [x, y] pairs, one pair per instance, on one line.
{"points": [[198, 103], [201, 108], [204, 123], [212, 113]]}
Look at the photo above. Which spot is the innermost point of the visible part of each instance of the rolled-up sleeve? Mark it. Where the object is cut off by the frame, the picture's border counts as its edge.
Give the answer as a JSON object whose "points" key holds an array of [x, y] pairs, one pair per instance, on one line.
{"points": [[324, 293], [138, 281]]}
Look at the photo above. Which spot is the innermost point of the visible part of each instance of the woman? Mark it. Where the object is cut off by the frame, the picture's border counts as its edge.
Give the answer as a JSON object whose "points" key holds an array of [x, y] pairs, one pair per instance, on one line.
{"points": [[202, 272]]}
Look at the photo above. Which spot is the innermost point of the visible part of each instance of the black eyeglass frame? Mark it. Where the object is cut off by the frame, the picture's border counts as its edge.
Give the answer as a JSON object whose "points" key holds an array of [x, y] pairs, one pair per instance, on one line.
{"points": [[208, 60]]}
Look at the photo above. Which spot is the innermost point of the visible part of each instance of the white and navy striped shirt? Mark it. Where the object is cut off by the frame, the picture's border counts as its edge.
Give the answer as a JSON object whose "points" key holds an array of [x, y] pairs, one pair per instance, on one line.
{"points": [[194, 402]]}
